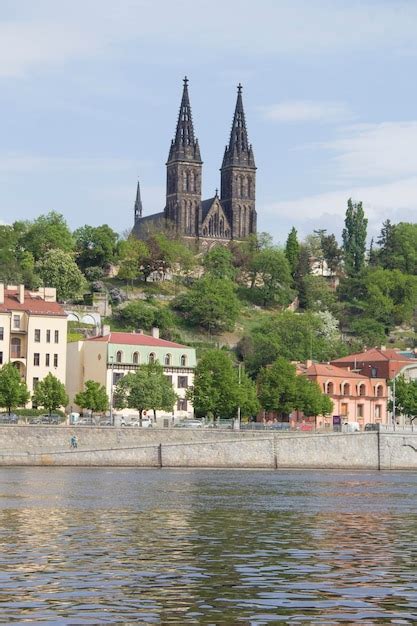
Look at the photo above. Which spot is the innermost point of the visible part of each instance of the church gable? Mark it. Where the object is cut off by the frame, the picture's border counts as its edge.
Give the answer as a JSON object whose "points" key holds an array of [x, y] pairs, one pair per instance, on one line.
{"points": [[215, 223]]}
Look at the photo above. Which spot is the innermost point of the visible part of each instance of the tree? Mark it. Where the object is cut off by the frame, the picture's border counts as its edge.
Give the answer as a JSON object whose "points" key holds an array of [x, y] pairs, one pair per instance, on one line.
{"points": [[332, 253], [164, 254], [218, 262], [146, 388], [277, 387], [13, 390], [95, 246], [139, 314], [217, 392], [405, 397], [210, 303], [272, 283], [292, 251], [310, 399], [94, 397], [47, 232], [50, 393], [58, 269], [385, 243], [133, 254], [318, 295], [354, 238]]}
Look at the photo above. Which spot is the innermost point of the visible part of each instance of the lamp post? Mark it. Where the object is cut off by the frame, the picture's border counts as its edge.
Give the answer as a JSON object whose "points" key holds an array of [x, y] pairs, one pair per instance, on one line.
{"points": [[393, 400], [238, 408], [111, 390]]}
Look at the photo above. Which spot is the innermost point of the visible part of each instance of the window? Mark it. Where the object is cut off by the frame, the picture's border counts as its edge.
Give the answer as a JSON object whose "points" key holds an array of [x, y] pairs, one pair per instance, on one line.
{"points": [[15, 348], [374, 372], [182, 404], [360, 410], [37, 335], [1, 358], [35, 383], [1, 333], [167, 359], [362, 390], [119, 355], [55, 360], [135, 358], [345, 389], [379, 391], [152, 357], [330, 389], [116, 377], [182, 382], [56, 336], [16, 321], [47, 360], [170, 379], [48, 336], [378, 412], [36, 358], [344, 409], [183, 360]]}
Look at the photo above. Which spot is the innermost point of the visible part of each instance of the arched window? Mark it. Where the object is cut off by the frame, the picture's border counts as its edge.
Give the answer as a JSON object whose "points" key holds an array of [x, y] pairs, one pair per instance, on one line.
{"points": [[152, 357], [249, 187], [184, 181], [361, 389], [379, 391], [183, 360], [345, 389], [15, 347], [167, 359], [119, 356], [192, 182], [330, 389], [135, 358]]}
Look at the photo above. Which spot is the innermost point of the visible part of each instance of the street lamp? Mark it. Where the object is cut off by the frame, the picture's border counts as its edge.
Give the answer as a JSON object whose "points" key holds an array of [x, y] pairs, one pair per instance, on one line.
{"points": [[111, 390], [238, 408]]}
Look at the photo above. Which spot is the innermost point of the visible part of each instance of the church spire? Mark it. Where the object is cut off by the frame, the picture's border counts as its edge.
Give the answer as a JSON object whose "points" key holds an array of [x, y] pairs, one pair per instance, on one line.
{"points": [[185, 146], [239, 151], [138, 204]]}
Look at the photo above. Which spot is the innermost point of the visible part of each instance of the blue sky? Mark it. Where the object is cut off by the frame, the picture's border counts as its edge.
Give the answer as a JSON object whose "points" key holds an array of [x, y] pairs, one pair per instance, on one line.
{"points": [[89, 95]]}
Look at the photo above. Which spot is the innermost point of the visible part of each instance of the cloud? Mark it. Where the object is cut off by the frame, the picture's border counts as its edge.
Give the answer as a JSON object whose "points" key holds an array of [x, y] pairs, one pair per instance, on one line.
{"points": [[306, 111], [48, 33], [376, 151]]}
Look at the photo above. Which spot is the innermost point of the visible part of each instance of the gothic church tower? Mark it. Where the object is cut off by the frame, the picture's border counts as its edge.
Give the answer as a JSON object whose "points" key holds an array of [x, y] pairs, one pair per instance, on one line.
{"points": [[184, 168], [238, 177]]}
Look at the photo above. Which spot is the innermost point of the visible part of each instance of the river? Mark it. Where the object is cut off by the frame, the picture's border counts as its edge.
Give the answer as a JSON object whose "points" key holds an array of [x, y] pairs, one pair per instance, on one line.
{"points": [[89, 545]]}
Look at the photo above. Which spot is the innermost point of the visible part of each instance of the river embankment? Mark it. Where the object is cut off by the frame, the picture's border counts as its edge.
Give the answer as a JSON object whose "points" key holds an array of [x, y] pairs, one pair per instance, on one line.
{"points": [[201, 448]]}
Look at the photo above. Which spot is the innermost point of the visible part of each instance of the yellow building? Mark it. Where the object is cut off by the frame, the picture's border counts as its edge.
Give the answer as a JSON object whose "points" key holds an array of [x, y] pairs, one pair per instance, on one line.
{"points": [[33, 333]]}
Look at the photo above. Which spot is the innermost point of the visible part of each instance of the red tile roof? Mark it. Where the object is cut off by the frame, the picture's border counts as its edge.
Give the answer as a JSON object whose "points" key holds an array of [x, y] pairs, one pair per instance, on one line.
{"points": [[324, 369], [373, 354], [137, 339], [34, 305]]}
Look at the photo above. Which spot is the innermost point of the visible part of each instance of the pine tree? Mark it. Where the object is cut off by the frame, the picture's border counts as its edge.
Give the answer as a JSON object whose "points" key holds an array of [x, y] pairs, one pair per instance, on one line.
{"points": [[292, 250], [354, 238], [386, 243]]}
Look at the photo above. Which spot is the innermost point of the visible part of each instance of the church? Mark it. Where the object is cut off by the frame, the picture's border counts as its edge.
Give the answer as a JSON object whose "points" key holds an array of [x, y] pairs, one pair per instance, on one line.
{"points": [[230, 215]]}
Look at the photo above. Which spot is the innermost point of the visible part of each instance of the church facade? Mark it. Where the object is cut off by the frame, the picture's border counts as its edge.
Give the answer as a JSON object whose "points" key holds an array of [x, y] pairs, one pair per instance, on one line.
{"points": [[230, 215]]}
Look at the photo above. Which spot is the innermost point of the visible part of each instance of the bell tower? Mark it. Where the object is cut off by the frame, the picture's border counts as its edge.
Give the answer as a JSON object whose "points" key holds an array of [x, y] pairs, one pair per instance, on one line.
{"points": [[184, 169], [238, 176]]}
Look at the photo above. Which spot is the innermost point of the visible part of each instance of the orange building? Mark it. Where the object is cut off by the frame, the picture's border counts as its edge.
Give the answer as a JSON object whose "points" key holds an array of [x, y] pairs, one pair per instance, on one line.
{"points": [[356, 397]]}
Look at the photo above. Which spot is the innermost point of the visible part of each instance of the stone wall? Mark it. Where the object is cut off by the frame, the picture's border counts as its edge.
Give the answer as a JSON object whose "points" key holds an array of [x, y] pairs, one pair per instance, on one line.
{"points": [[135, 447]]}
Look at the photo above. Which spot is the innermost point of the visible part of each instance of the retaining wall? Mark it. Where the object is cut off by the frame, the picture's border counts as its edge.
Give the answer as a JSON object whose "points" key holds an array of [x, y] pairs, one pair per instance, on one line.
{"points": [[50, 445]]}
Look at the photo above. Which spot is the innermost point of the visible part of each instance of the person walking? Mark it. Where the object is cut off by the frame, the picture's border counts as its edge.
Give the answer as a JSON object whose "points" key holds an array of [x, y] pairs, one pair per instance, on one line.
{"points": [[74, 441]]}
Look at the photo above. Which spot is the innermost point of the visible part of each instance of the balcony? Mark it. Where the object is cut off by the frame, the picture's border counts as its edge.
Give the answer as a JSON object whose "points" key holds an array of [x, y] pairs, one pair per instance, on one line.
{"points": [[18, 331]]}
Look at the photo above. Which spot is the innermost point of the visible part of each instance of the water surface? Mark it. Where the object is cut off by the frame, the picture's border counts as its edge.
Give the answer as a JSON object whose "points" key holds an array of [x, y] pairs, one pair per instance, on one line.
{"points": [[88, 546]]}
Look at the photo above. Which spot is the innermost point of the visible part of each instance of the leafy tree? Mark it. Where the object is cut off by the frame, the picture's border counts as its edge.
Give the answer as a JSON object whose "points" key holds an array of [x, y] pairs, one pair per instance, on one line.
{"points": [[310, 399], [139, 314], [217, 392], [370, 331], [133, 255], [385, 243], [332, 253], [95, 246], [292, 251], [164, 254], [146, 388], [210, 303], [318, 295], [218, 262], [272, 284], [405, 397], [13, 390], [94, 397], [58, 269], [47, 232], [399, 247], [354, 238], [277, 387], [50, 393]]}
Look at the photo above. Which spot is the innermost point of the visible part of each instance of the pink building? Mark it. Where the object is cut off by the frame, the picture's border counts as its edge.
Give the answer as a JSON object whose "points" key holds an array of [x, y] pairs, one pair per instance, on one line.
{"points": [[356, 397]]}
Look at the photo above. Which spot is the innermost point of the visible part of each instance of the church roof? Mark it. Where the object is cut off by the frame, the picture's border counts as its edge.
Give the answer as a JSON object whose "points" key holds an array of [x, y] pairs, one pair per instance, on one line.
{"points": [[239, 151], [185, 146]]}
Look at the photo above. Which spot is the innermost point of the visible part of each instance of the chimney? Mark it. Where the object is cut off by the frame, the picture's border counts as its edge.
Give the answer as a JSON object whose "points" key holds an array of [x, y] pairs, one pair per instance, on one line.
{"points": [[155, 332], [382, 348], [105, 330], [138, 331], [21, 294], [1, 293], [309, 363]]}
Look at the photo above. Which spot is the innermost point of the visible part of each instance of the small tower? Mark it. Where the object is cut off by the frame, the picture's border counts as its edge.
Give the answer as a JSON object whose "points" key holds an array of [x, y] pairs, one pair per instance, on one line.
{"points": [[138, 204], [238, 176], [184, 168]]}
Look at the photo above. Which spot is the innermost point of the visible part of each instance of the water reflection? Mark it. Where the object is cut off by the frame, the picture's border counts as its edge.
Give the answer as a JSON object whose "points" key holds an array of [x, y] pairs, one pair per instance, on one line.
{"points": [[197, 547]]}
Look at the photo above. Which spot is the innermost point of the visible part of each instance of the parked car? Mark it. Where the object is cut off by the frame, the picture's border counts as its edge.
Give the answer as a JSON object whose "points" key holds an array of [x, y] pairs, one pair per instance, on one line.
{"points": [[351, 427], [50, 419], [8, 418], [104, 421], [188, 423], [85, 421], [370, 426], [135, 422]]}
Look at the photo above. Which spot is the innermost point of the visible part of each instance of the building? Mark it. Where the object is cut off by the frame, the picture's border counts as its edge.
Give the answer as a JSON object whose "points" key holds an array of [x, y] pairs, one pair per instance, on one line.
{"points": [[33, 333], [108, 357], [356, 397], [232, 215], [376, 362]]}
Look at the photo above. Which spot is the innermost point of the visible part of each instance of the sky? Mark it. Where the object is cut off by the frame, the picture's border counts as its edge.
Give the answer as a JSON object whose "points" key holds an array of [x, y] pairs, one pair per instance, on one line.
{"points": [[90, 91]]}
